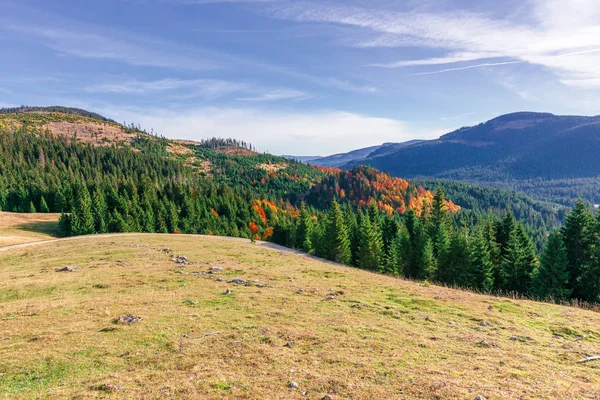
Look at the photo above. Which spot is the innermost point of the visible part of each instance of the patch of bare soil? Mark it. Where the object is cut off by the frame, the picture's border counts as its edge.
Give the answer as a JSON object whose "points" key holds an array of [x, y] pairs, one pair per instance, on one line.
{"points": [[95, 133]]}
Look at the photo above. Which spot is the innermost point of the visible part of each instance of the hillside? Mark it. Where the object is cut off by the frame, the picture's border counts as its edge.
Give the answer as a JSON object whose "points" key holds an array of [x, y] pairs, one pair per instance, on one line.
{"points": [[524, 151], [333, 330], [360, 217], [355, 156]]}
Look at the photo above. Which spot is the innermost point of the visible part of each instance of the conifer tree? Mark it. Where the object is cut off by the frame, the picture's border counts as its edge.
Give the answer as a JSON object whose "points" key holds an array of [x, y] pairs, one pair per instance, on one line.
{"points": [[100, 210], [82, 219], [519, 263], [439, 218], [173, 218], [401, 253], [117, 223], [370, 251], [336, 236], [31, 208], [551, 279], [352, 224], [303, 232], [480, 269], [578, 237], [317, 239], [43, 205], [454, 261], [427, 260]]}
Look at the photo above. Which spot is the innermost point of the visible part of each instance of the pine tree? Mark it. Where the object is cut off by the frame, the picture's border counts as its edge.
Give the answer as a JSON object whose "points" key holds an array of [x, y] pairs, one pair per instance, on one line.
{"points": [[370, 252], [100, 210], [422, 255], [439, 218], [401, 253], [551, 279], [353, 226], [31, 208], [480, 272], [316, 239], [519, 262], [173, 218], [579, 238], [43, 205], [441, 244], [455, 261], [303, 232], [336, 236], [427, 260]]}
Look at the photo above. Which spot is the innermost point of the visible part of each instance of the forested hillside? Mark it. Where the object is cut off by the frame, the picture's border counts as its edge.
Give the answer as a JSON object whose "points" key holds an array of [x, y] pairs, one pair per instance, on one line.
{"points": [[360, 217], [523, 151]]}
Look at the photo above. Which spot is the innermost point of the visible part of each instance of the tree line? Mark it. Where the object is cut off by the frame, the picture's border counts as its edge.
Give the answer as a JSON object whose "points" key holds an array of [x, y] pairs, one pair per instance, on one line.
{"points": [[495, 256]]}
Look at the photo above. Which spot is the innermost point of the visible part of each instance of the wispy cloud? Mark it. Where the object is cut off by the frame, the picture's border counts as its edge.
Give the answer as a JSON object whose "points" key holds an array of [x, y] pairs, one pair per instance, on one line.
{"points": [[559, 35], [208, 87], [441, 71], [198, 88], [278, 94]]}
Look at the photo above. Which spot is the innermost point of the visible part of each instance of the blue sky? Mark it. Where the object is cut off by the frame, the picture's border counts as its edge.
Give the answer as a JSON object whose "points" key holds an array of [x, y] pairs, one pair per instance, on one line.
{"points": [[302, 77]]}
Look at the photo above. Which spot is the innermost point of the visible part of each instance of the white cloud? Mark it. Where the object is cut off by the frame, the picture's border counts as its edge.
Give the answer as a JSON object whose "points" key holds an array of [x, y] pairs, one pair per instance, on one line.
{"points": [[278, 94], [468, 67], [203, 87], [199, 88], [560, 35], [277, 132]]}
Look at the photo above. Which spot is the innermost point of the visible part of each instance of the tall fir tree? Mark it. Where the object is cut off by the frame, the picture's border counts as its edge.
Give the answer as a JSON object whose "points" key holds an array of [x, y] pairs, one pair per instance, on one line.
{"points": [[551, 279], [336, 238], [578, 236], [480, 270], [43, 205], [519, 262], [370, 247]]}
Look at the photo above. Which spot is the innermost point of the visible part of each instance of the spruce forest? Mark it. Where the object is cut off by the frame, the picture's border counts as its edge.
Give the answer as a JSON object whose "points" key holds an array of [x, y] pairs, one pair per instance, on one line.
{"points": [[488, 240]]}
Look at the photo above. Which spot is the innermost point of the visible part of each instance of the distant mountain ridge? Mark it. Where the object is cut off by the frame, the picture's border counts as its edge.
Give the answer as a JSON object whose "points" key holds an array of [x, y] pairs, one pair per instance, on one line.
{"points": [[336, 160], [506, 151]]}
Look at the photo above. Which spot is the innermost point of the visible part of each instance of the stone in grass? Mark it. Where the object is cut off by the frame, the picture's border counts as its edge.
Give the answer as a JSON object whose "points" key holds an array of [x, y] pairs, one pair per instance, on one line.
{"points": [[479, 397], [68, 268], [327, 397], [293, 385], [228, 291], [107, 387], [128, 319]]}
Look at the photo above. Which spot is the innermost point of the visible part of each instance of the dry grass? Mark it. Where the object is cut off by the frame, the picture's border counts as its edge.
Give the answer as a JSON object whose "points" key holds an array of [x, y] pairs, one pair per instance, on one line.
{"points": [[16, 228], [378, 337]]}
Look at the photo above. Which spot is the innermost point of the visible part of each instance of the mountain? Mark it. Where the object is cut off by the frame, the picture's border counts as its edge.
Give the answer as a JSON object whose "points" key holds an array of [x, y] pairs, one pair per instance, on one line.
{"points": [[337, 160], [303, 159], [512, 151]]}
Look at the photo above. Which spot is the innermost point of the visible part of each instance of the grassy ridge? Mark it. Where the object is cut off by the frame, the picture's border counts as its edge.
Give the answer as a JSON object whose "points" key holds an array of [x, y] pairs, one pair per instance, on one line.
{"points": [[352, 334]]}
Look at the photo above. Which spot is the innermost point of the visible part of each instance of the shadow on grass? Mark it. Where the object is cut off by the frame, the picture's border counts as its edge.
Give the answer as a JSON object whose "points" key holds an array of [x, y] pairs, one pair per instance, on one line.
{"points": [[47, 227]]}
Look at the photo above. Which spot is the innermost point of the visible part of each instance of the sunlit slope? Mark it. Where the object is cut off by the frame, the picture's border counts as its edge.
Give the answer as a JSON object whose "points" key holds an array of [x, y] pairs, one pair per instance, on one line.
{"points": [[333, 330], [16, 228]]}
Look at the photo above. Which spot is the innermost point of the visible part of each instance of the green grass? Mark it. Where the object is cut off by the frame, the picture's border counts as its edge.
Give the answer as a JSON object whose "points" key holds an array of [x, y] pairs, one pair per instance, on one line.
{"points": [[379, 337]]}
